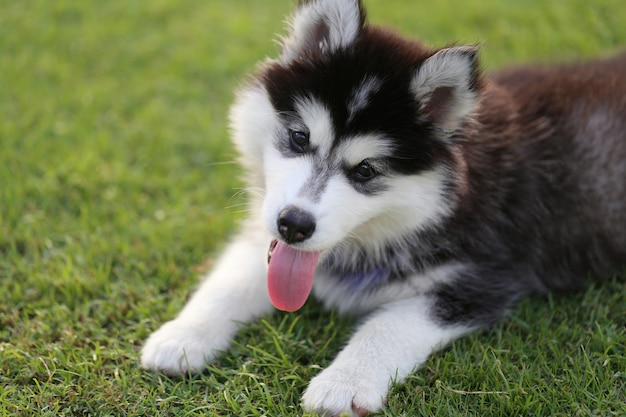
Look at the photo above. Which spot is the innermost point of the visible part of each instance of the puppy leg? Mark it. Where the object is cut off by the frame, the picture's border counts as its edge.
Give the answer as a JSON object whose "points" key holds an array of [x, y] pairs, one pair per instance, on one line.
{"points": [[386, 348], [234, 292]]}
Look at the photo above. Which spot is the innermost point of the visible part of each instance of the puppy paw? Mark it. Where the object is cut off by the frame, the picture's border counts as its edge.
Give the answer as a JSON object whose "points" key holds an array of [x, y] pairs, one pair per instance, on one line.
{"points": [[178, 348], [341, 391]]}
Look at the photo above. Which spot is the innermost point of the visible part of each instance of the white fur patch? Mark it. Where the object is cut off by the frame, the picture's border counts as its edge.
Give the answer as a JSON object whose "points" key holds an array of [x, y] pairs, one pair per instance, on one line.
{"points": [[342, 19], [386, 348], [253, 123], [361, 95], [285, 178], [357, 149], [412, 202]]}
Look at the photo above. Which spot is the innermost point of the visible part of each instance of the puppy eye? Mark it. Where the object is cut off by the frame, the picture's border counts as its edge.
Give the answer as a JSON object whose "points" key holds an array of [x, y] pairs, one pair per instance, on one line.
{"points": [[363, 172], [299, 141]]}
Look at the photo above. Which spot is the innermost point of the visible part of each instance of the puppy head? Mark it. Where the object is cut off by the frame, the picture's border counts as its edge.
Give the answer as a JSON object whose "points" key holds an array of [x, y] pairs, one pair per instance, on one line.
{"points": [[350, 131]]}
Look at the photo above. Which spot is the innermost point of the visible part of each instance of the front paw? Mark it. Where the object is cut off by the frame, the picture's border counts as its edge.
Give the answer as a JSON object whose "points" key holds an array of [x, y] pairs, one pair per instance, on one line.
{"points": [[352, 391], [178, 348]]}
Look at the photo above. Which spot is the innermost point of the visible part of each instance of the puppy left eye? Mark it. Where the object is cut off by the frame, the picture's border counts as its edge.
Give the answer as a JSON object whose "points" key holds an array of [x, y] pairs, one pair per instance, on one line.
{"points": [[299, 141], [363, 172]]}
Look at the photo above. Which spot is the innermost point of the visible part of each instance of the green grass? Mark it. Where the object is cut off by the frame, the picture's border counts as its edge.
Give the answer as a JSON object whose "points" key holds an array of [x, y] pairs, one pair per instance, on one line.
{"points": [[115, 187]]}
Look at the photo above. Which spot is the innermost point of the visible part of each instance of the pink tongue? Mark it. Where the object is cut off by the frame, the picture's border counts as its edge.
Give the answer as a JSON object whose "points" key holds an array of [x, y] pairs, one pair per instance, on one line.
{"points": [[290, 276]]}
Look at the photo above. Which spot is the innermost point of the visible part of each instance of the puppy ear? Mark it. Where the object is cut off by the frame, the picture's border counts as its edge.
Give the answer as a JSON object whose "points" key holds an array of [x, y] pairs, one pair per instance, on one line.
{"points": [[320, 27], [446, 86]]}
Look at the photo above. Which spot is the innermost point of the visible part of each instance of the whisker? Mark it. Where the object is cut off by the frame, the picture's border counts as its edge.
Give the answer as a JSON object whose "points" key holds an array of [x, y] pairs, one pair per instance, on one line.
{"points": [[236, 205], [220, 163]]}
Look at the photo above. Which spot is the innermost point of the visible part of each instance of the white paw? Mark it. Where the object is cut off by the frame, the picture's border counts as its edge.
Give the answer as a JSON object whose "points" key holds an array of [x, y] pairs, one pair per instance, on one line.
{"points": [[352, 391], [179, 347]]}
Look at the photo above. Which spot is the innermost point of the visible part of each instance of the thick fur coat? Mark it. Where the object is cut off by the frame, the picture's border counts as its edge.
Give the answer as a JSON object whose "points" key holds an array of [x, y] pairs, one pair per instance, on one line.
{"points": [[400, 183]]}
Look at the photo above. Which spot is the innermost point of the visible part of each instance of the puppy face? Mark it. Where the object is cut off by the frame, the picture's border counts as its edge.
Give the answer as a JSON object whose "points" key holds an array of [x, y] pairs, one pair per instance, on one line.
{"points": [[349, 131]]}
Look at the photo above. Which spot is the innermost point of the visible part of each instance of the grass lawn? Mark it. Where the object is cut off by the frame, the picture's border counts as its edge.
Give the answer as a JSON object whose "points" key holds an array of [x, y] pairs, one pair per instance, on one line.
{"points": [[116, 187]]}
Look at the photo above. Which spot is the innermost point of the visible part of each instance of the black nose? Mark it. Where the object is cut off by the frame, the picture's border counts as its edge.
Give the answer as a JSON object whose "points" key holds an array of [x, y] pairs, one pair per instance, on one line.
{"points": [[295, 225]]}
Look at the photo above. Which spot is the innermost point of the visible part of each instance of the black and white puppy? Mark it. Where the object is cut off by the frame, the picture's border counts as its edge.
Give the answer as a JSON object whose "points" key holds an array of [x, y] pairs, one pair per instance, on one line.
{"points": [[397, 180]]}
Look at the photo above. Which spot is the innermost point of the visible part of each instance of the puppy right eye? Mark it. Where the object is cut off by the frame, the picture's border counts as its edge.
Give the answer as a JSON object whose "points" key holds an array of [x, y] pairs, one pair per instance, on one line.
{"points": [[363, 172], [299, 141]]}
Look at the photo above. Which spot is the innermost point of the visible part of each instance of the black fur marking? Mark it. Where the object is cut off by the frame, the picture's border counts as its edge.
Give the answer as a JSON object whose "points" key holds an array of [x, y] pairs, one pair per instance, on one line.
{"points": [[412, 254], [391, 109], [479, 297]]}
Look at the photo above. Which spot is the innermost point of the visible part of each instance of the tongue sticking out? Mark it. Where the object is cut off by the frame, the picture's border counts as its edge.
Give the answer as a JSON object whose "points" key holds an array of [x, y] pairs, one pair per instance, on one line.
{"points": [[290, 276]]}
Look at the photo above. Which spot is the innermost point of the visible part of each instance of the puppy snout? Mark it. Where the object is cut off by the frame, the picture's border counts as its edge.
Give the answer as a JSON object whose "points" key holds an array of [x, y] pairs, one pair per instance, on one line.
{"points": [[295, 225]]}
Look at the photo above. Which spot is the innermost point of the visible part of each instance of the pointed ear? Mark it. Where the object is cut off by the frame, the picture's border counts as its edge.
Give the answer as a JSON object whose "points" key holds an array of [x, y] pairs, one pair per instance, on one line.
{"points": [[446, 86], [319, 27]]}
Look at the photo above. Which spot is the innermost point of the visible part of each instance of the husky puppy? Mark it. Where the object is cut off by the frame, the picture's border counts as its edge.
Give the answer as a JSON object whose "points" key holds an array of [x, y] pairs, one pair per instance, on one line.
{"points": [[397, 180]]}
